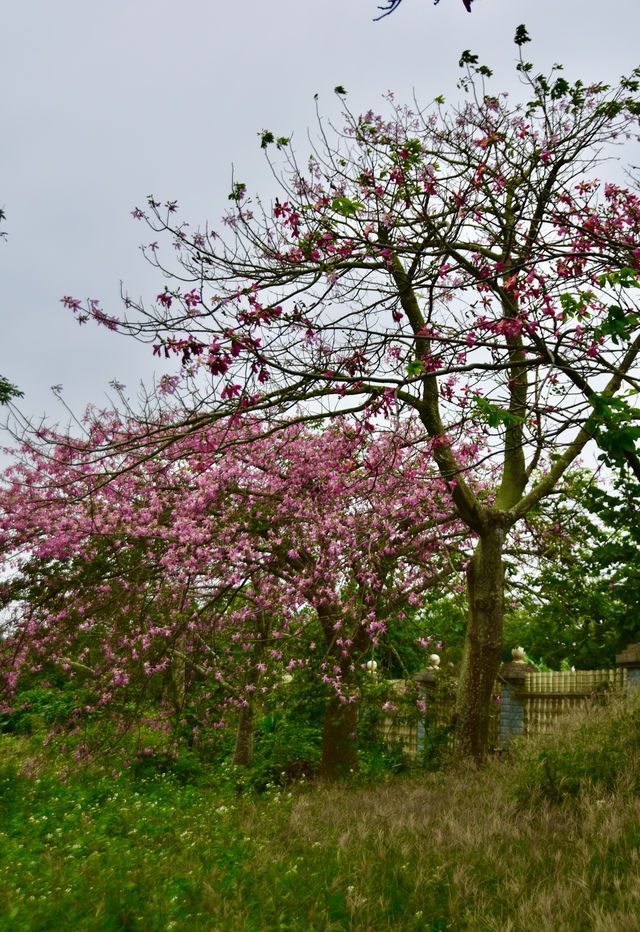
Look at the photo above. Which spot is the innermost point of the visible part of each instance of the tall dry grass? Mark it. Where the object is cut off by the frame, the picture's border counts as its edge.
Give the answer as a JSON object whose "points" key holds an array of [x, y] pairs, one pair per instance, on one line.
{"points": [[547, 837]]}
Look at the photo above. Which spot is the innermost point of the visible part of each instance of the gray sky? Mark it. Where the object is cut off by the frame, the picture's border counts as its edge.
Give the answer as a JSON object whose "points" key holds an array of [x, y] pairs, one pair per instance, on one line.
{"points": [[105, 103]]}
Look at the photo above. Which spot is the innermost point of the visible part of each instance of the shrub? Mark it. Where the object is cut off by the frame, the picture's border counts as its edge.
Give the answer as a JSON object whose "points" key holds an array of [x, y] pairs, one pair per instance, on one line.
{"points": [[593, 747]]}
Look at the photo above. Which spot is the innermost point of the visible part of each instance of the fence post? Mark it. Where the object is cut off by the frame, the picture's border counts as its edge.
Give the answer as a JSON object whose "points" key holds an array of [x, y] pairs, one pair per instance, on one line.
{"points": [[512, 676], [629, 659]]}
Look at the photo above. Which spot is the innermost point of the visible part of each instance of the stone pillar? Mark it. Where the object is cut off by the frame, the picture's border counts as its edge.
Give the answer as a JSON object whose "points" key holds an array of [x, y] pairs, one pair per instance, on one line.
{"points": [[512, 676], [629, 660], [426, 680]]}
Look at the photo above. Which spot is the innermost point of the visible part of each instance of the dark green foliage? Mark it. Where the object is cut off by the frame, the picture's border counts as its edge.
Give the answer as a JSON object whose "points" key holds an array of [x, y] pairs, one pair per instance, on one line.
{"points": [[185, 766], [37, 708], [378, 755], [8, 391], [287, 746], [581, 601], [437, 748], [443, 620]]}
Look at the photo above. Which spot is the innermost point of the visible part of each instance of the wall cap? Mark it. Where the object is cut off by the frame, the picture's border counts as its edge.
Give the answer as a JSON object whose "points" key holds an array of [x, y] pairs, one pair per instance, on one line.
{"points": [[630, 657], [426, 675], [515, 670]]}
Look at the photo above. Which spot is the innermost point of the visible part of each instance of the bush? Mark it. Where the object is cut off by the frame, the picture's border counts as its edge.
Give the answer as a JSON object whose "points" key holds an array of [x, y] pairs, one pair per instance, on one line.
{"points": [[592, 748], [39, 707], [186, 766]]}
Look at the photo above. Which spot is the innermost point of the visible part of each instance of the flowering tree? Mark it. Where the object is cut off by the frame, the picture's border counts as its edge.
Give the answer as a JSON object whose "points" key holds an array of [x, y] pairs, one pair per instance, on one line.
{"points": [[221, 568], [464, 264]]}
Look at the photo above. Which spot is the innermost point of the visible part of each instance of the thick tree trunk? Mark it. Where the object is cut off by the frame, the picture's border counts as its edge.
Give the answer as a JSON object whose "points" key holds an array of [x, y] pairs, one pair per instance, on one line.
{"points": [[483, 644], [339, 740], [243, 750]]}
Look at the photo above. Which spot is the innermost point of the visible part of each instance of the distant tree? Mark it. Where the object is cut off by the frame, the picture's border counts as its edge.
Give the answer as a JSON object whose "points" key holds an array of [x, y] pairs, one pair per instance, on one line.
{"points": [[579, 597]]}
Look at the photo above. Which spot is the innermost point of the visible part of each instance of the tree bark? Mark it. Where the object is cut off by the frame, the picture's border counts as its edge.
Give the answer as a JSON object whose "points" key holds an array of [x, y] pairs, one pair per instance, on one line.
{"points": [[483, 644], [178, 680], [339, 740], [243, 750]]}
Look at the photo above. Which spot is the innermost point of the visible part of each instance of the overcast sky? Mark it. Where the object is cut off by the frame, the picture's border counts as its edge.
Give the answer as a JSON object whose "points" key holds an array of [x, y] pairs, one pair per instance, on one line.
{"points": [[106, 103]]}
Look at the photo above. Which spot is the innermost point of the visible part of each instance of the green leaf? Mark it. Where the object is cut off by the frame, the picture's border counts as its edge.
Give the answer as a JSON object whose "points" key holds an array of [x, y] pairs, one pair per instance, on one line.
{"points": [[629, 84], [414, 368], [8, 391], [494, 415], [345, 206], [559, 89], [613, 426], [238, 192], [266, 138], [624, 277], [610, 108], [617, 324], [467, 58], [576, 306]]}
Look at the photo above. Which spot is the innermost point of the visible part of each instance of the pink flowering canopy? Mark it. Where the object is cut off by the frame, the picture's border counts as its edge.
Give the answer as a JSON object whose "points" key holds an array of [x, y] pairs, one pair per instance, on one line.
{"points": [[200, 576]]}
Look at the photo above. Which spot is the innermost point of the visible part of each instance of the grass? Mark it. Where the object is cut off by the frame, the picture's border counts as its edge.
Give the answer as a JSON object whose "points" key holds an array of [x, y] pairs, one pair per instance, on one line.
{"points": [[545, 838]]}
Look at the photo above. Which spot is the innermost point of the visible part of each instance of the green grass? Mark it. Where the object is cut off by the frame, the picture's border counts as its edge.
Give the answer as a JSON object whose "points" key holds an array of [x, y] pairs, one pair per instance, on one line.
{"points": [[547, 838]]}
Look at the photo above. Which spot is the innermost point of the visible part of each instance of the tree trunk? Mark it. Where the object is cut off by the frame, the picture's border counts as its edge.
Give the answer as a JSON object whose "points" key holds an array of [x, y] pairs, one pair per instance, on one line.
{"points": [[178, 679], [339, 740], [243, 750], [483, 644]]}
